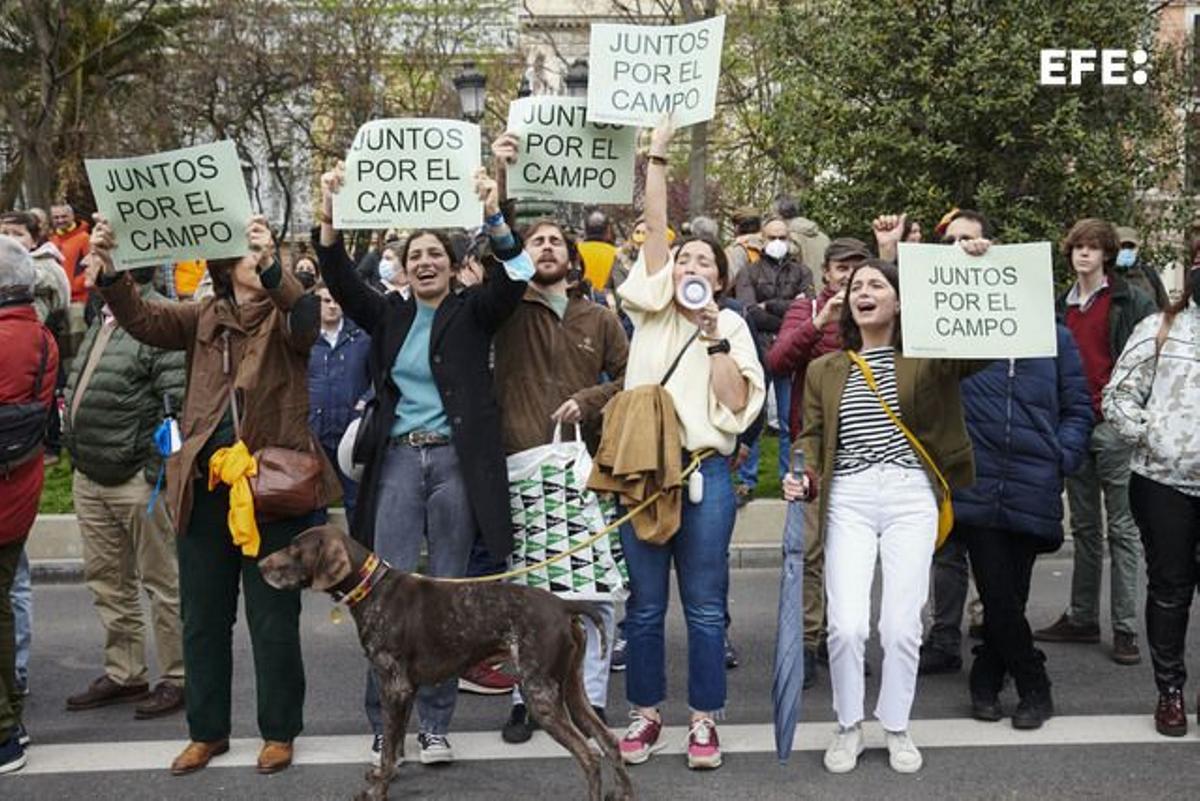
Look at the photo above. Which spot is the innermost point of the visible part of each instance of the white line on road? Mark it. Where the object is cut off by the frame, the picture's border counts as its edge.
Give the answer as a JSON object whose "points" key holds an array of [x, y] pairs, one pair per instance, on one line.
{"points": [[735, 739]]}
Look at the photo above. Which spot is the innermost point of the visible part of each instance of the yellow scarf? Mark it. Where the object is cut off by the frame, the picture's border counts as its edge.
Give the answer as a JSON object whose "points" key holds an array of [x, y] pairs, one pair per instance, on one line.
{"points": [[234, 466]]}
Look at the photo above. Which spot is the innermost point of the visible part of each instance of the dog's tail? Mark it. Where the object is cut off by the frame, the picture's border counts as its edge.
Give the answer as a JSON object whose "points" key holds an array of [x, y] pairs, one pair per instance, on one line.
{"points": [[586, 609]]}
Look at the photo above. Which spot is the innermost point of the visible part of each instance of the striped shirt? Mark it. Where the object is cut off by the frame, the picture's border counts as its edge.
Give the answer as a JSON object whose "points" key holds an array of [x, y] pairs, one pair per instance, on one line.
{"points": [[866, 435]]}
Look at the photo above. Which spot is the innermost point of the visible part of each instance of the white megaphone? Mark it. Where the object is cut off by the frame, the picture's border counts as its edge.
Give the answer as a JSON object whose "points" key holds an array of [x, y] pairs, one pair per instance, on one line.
{"points": [[694, 292]]}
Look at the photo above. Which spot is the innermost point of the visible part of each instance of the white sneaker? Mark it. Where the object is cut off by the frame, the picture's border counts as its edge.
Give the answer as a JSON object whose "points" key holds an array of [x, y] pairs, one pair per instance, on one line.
{"points": [[843, 753], [902, 752], [435, 749]]}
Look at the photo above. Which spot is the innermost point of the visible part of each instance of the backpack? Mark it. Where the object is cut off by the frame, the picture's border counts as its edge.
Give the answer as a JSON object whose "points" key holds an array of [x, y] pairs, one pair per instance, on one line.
{"points": [[23, 425]]}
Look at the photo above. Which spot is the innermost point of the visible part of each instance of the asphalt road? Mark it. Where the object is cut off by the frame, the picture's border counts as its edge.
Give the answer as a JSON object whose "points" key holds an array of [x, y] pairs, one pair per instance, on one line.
{"points": [[1101, 745]]}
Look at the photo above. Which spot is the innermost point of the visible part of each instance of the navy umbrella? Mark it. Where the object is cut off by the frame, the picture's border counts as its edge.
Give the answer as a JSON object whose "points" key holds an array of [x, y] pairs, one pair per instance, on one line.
{"points": [[789, 638]]}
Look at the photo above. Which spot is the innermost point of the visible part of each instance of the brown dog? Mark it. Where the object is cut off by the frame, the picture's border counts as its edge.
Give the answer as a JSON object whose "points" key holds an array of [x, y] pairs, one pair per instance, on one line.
{"points": [[419, 631]]}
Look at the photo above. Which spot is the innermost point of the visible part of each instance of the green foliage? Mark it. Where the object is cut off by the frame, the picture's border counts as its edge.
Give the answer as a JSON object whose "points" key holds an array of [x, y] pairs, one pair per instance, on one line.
{"points": [[56, 492], [922, 106]]}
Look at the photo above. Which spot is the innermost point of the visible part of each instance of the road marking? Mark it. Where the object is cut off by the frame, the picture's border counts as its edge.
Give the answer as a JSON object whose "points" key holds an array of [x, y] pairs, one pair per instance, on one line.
{"points": [[735, 739]]}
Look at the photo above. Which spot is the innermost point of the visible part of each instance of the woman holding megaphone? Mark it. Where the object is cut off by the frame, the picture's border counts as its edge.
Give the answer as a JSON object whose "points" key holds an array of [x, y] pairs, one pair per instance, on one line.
{"points": [[434, 467], [717, 388]]}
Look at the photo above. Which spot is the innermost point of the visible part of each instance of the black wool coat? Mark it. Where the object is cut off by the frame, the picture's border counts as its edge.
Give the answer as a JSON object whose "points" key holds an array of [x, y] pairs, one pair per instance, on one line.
{"points": [[459, 348]]}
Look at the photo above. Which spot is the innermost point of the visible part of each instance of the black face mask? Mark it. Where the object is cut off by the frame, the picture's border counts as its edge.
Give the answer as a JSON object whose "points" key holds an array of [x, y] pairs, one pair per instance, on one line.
{"points": [[306, 279]]}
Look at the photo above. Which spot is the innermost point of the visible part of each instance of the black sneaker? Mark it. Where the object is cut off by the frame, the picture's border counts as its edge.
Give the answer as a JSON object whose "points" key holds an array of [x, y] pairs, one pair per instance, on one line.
{"points": [[810, 669], [12, 753], [377, 751], [617, 663], [731, 655], [1034, 709], [986, 708], [519, 727], [435, 749], [23, 736], [935, 660]]}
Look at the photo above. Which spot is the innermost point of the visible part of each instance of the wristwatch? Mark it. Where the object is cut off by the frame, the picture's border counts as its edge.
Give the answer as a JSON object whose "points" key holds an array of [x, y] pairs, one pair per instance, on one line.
{"points": [[720, 346]]}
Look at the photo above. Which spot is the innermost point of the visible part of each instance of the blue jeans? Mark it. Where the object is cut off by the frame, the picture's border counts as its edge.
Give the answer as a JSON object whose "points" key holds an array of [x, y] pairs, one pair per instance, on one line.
{"points": [[22, 606], [422, 498], [748, 472], [700, 550]]}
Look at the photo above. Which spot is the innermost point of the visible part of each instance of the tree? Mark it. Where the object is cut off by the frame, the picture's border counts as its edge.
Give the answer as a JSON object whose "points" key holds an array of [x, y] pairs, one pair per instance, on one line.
{"points": [[65, 63], [894, 105]]}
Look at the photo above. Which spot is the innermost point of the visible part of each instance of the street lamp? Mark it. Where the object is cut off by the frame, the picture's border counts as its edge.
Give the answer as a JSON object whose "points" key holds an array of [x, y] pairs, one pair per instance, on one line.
{"points": [[577, 78], [471, 85]]}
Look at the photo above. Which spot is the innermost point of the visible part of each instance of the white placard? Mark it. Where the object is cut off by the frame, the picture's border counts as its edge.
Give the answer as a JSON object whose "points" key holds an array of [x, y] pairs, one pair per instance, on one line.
{"points": [[638, 73], [996, 306], [411, 173], [565, 157], [173, 206]]}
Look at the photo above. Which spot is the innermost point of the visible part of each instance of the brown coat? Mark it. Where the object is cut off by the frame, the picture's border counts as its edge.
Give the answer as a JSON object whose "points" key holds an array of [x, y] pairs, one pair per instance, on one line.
{"points": [[639, 454], [268, 359], [542, 361], [930, 405]]}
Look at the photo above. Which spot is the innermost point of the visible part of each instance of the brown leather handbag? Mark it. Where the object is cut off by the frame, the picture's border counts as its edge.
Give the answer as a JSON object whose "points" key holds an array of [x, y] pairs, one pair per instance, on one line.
{"points": [[287, 483]]}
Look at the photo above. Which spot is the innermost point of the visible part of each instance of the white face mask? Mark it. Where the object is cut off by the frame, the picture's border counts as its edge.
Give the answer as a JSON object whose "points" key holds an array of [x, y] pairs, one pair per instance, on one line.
{"points": [[776, 249], [387, 270]]}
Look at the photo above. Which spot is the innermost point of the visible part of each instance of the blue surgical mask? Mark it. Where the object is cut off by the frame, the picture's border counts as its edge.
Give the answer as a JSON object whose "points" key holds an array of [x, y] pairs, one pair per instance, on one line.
{"points": [[387, 270], [1126, 258]]}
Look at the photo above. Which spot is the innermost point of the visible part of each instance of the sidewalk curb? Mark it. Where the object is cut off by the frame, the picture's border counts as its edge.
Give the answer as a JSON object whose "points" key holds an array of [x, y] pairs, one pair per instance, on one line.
{"points": [[56, 552]]}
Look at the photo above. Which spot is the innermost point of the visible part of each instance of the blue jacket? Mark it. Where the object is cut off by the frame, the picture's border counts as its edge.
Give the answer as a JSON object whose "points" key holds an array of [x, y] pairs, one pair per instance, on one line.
{"points": [[337, 378], [1030, 421]]}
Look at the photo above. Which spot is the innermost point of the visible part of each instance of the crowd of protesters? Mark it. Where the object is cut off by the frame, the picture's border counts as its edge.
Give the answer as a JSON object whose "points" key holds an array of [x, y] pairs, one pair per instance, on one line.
{"points": [[403, 380]]}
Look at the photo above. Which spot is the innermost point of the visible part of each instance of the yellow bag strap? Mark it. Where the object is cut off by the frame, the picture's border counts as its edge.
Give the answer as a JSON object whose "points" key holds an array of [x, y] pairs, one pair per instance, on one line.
{"points": [[869, 376]]}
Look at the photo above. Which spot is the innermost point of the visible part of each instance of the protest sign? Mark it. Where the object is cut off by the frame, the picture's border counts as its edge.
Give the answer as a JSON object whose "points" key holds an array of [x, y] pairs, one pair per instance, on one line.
{"points": [[566, 157], [174, 206], [639, 73], [411, 173], [956, 306]]}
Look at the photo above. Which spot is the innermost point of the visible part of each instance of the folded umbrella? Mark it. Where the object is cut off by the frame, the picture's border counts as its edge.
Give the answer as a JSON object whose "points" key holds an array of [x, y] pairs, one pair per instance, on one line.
{"points": [[789, 636]]}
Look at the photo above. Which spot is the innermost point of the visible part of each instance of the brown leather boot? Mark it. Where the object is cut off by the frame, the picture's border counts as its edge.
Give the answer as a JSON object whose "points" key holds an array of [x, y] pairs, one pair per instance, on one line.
{"points": [[1170, 718], [197, 755], [274, 756]]}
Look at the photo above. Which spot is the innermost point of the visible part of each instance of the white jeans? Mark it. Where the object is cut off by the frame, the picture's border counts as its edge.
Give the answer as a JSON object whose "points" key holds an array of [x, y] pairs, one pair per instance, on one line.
{"points": [[889, 512], [595, 664]]}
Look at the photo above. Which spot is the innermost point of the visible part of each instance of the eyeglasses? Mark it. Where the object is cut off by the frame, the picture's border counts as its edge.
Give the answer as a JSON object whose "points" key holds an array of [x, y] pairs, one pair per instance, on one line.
{"points": [[953, 240]]}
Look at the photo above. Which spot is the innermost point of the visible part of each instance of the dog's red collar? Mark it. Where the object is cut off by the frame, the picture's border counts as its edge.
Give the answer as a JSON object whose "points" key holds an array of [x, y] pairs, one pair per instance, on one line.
{"points": [[369, 574]]}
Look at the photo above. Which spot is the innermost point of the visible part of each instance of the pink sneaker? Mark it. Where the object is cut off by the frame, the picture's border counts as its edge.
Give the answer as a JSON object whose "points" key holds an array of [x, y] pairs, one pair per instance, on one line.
{"points": [[704, 749], [641, 739]]}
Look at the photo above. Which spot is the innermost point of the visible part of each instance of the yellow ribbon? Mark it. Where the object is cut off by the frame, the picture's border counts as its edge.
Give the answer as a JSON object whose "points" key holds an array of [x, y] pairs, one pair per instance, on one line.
{"points": [[234, 466]]}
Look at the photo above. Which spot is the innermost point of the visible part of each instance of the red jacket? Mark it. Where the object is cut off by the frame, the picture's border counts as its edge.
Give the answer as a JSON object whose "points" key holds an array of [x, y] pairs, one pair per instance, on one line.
{"points": [[74, 244], [798, 344], [22, 336]]}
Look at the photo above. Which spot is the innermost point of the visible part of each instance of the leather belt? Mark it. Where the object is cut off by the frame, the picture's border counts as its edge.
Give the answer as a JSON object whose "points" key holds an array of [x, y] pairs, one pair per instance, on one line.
{"points": [[420, 439]]}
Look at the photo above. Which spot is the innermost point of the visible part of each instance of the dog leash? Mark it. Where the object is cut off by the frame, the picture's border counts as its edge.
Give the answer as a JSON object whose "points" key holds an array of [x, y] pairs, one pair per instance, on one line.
{"points": [[694, 465]]}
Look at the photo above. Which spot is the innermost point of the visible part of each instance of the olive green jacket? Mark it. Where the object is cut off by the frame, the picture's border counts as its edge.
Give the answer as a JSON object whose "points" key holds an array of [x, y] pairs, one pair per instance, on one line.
{"points": [[111, 436], [930, 405]]}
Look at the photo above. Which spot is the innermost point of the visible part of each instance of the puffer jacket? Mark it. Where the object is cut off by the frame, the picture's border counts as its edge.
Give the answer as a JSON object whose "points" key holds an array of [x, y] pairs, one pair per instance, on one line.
{"points": [[111, 434], [338, 377], [1154, 401], [1029, 421]]}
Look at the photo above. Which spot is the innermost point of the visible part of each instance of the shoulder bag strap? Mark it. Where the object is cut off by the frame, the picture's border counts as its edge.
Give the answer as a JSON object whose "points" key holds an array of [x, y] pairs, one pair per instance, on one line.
{"points": [[869, 376], [678, 358], [227, 364]]}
